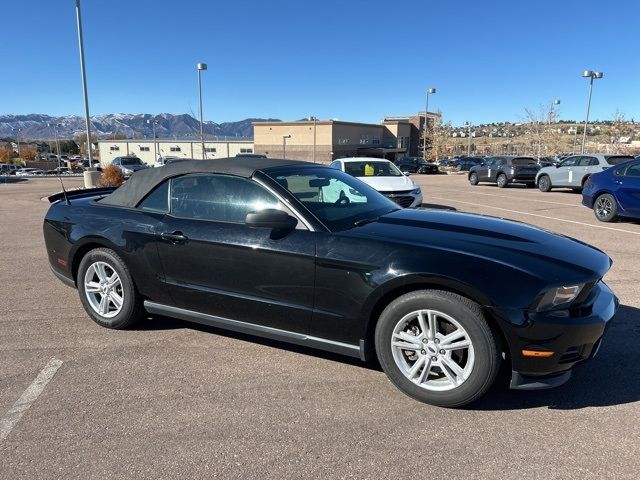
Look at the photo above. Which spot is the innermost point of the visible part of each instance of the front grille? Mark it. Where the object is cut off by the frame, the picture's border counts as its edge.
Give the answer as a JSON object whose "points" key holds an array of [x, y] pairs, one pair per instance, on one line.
{"points": [[402, 200]]}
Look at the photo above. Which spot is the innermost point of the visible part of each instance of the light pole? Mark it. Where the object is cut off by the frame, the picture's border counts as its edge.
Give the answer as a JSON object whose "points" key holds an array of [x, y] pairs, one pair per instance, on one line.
{"points": [[84, 83], [555, 102], [468, 125], [426, 116], [315, 120], [201, 67], [591, 76], [153, 123], [284, 146], [55, 132]]}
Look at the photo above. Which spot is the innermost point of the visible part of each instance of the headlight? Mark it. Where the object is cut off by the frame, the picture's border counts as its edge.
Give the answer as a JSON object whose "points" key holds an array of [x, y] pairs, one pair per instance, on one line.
{"points": [[128, 171], [416, 191], [559, 297]]}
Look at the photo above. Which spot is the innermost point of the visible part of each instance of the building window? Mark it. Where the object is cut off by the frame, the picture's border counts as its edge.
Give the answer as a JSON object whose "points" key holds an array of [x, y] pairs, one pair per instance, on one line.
{"points": [[210, 149], [364, 139], [246, 150], [114, 148], [175, 149], [375, 140], [343, 141], [144, 149]]}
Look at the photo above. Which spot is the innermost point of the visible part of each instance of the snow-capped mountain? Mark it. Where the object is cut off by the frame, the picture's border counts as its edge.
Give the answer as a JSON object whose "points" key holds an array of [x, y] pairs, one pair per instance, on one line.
{"points": [[37, 126]]}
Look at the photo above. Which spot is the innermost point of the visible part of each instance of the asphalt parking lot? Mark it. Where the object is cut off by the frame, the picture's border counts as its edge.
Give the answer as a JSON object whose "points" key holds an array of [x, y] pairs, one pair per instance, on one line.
{"points": [[172, 399]]}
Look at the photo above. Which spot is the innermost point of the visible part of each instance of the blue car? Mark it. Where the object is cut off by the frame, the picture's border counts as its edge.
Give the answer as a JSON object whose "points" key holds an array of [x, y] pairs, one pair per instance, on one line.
{"points": [[615, 192]]}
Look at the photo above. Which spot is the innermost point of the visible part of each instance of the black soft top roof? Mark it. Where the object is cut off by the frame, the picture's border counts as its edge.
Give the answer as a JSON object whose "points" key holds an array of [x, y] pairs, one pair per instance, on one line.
{"points": [[143, 181]]}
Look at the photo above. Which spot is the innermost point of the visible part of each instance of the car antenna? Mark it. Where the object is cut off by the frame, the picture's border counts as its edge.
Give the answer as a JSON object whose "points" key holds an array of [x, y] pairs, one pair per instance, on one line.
{"points": [[64, 191]]}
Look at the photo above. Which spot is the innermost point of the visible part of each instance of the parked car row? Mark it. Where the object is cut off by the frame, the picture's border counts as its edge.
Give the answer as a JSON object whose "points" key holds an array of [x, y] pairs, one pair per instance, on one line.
{"points": [[30, 172], [610, 183]]}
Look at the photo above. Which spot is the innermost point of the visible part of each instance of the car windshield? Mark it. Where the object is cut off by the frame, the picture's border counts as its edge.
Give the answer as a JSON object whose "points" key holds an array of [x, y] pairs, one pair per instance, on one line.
{"points": [[337, 199], [128, 161], [616, 159], [372, 168]]}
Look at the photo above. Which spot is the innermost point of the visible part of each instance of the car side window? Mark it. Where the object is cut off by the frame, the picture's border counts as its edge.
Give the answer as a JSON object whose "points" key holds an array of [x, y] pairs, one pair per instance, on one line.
{"points": [[157, 200], [569, 162], [587, 161], [633, 170], [335, 165], [222, 198]]}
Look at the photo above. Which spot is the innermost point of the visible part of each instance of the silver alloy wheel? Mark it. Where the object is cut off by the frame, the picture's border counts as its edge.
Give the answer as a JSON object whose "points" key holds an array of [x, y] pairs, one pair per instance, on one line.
{"points": [[432, 350], [604, 207], [502, 180], [103, 289]]}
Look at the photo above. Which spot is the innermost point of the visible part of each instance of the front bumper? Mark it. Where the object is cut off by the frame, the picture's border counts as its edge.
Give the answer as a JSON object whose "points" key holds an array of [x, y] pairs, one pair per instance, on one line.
{"points": [[567, 337]]}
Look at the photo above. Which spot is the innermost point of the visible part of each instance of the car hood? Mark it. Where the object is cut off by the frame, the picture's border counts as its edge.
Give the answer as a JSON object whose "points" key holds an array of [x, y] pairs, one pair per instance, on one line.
{"points": [[389, 184], [548, 256]]}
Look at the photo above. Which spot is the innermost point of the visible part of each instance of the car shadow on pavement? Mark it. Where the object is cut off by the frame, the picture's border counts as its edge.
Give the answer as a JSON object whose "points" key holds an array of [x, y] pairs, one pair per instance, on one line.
{"points": [[435, 206], [611, 378], [168, 323], [8, 179]]}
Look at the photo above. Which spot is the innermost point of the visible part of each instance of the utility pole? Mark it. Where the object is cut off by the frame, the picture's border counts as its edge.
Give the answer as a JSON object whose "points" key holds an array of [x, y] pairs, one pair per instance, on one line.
{"points": [[284, 146], [201, 67]]}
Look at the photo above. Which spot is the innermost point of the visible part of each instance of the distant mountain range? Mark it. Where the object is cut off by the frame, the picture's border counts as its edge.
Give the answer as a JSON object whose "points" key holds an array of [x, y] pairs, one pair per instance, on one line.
{"points": [[36, 126]]}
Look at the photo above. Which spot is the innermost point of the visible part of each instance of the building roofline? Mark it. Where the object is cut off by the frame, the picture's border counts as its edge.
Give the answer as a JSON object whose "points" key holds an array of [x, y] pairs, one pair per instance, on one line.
{"points": [[171, 140]]}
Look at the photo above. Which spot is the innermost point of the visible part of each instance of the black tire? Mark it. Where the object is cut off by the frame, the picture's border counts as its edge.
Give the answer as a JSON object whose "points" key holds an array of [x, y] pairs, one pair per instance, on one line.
{"points": [[132, 307], [605, 208], [473, 178], [469, 315], [502, 180], [544, 183]]}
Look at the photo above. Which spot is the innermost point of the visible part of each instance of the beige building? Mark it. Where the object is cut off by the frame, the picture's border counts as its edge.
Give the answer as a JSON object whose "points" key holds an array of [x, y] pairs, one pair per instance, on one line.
{"points": [[144, 149], [331, 139]]}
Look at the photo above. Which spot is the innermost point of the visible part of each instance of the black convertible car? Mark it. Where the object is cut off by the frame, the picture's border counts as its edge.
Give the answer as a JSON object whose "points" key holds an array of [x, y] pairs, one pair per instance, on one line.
{"points": [[311, 255]]}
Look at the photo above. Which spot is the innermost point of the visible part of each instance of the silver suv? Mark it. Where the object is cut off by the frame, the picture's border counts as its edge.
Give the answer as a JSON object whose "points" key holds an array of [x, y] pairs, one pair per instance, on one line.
{"points": [[573, 171]]}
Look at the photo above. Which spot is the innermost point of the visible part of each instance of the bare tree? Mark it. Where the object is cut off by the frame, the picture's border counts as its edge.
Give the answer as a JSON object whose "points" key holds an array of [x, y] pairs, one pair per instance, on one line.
{"points": [[620, 128]]}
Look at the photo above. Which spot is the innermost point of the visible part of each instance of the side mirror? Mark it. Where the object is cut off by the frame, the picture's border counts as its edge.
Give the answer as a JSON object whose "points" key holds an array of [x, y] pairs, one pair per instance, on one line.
{"points": [[556, 165], [271, 218], [406, 174]]}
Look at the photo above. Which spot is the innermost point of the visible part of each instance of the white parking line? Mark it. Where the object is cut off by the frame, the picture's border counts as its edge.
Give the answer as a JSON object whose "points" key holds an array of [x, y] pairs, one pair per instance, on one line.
{"points": [[29, 396], [540, 216], [529, 199]]}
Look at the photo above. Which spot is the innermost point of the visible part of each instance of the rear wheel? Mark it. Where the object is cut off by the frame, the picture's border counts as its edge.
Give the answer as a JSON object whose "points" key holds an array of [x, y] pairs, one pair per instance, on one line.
{"points": [[606, 208], [502, 180], [473, 178], [544, 183], [437, 347], [107, 291]]}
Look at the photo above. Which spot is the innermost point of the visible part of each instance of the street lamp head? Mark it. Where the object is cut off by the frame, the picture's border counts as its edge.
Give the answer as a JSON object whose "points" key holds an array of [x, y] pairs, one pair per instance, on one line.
{"points": [[597, 74], [286, 136], [202, 66], [587, 73], [431, 90], [556, 102]]}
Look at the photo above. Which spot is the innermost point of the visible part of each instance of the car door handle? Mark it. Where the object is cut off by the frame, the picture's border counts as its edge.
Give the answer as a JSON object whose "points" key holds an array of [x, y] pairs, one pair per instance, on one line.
{"points": [[174, 237]]}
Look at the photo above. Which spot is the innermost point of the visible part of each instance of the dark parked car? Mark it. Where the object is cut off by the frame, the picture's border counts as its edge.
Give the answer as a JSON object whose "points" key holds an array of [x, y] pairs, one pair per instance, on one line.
{"points": [[465, 164], [505, 170], [614, 192], [416, 165], [271, 248]]}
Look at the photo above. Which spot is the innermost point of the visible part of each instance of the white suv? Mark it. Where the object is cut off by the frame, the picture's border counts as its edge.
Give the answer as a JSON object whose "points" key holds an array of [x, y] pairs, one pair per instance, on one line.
{"points": [[385, 177]]}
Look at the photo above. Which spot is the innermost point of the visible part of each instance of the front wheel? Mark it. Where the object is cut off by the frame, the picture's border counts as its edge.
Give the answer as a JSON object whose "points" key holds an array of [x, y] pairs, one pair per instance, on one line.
{"points": [[473, 178], [606, 208], [544, 183], [107, 291], [502, 180], [437, 347]]}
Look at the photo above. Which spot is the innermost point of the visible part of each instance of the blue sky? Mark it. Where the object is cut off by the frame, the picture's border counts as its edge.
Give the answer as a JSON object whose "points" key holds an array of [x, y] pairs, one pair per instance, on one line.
{"points": [[350, 59]]}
